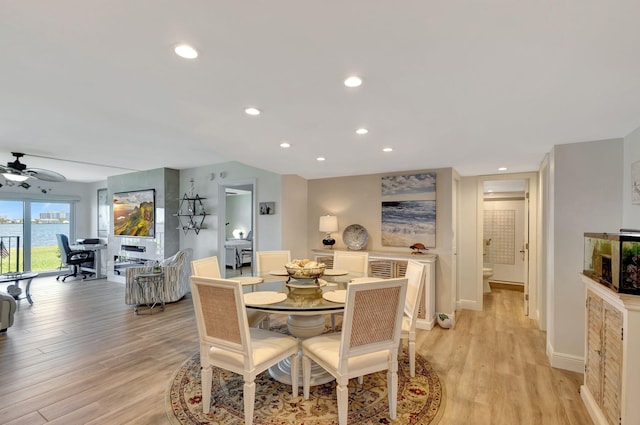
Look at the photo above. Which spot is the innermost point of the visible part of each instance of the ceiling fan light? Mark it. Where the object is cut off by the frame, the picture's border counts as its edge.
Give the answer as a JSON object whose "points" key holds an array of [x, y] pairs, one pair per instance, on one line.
{"points": [[15, 177]]}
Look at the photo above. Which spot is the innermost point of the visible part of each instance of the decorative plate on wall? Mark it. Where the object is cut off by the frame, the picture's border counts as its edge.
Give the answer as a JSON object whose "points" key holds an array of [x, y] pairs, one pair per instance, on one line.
{"points": [[355, 237]]}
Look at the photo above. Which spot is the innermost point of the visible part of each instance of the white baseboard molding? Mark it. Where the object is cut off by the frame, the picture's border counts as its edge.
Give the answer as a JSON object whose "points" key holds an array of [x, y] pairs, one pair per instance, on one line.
{"points": [[426, 324], [469, 305], [565, 361], [592, 406]]}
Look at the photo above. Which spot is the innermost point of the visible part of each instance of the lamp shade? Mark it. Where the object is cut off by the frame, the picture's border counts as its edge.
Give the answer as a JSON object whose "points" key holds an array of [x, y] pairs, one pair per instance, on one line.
{"points": [[328, 223]]}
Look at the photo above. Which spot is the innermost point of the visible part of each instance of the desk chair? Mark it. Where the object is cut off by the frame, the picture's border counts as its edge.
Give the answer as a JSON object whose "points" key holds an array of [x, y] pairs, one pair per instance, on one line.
{"points": [[227, 341], [368, 342], [73, 259], [210, 267]]}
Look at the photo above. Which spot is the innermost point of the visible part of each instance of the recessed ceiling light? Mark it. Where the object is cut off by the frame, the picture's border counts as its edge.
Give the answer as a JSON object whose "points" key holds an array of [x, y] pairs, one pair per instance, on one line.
{"points": [[285, 145], [502, 169], [387, 150], [353, 81], [185, 51], [362, 131], [252, 111], [320, 158]]}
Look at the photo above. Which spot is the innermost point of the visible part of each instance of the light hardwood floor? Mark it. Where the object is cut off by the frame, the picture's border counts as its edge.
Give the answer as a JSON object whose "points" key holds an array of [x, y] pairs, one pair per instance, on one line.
{"points": [[79, 355]]}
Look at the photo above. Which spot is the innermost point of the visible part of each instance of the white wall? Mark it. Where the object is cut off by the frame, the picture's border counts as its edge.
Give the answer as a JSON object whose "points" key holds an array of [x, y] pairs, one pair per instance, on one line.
{"points": [[470, 244], [631, 212], [586, 186], [208, 180], [295, 216], [238, 214]]}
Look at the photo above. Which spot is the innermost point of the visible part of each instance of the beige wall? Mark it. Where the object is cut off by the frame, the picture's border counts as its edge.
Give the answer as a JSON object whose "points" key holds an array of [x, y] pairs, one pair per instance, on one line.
{"points": [[294, 216], [357, 200]]}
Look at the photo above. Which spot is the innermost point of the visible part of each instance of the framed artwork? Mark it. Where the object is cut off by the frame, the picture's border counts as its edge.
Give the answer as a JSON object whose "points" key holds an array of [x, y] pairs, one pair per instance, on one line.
{"points": [[635, 183], [267, 208], [134, 213], [103, 214], [409, 210]]}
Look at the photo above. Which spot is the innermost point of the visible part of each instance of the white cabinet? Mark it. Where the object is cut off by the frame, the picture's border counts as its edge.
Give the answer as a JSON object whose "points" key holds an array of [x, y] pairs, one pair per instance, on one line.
{"points": [[390, 265], [611, 387]]}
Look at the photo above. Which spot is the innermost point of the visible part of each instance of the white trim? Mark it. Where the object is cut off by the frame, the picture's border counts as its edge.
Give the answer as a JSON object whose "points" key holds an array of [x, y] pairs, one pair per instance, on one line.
{"points": [[470, 305], [564, 361]]}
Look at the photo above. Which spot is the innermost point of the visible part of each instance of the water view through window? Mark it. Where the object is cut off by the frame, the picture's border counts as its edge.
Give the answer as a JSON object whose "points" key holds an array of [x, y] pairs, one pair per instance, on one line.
{"points": [[39, 252]]}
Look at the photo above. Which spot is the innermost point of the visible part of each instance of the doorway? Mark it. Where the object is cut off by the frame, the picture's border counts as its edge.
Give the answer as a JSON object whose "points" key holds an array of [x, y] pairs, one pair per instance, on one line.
{"points": [[238, 222], [508, 227]]}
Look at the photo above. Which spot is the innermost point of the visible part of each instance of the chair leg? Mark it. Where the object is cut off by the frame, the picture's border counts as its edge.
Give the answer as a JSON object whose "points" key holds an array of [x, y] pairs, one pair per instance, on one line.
{"points": [[306, 376], [206, 377], [392, 388], [342, 394], [333, 322], [249, 401], [295, 374], [412, 358]]}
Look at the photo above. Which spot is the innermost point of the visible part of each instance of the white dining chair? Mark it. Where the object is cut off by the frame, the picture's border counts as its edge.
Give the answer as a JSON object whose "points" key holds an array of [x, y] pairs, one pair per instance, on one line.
{"points": [[368, 342], [267, 261], [415, 283], [210, 267], [227, 341], [354, 262]]}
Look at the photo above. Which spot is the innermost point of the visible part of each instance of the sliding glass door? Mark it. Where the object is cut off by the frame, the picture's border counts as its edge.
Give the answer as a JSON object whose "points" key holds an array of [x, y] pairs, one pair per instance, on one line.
{"points": [[47, 220], [36, 224]]}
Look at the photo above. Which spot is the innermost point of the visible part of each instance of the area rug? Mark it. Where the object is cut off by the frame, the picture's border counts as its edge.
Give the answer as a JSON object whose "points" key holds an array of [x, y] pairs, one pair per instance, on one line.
{"points": [[420, 399]]}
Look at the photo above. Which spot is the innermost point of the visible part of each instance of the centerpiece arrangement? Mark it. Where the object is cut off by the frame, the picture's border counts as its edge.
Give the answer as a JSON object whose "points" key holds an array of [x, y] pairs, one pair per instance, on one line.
{"points": [[305, 270]]}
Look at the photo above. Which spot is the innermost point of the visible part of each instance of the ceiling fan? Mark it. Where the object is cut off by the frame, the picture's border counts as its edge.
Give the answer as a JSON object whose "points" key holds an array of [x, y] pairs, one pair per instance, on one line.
{"points": [[18, 172]]}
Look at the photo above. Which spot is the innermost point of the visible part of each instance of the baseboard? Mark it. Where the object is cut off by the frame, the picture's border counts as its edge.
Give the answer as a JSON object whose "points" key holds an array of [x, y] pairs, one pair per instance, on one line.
{"points": [[592, 406], [469, 305], [425, 324], [565, 361]]}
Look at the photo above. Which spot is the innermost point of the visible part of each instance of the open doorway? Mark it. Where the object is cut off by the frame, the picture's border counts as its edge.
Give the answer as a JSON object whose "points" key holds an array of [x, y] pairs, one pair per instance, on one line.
{"points": [[508, 222], [238, 224]]}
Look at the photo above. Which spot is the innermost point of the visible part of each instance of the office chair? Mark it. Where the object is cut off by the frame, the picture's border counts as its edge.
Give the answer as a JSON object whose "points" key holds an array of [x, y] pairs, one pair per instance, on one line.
{"points": [[72, 259]]}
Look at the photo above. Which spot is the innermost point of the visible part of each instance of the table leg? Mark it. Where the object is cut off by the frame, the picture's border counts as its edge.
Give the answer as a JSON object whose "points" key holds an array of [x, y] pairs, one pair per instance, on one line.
{"points": [[27, 290], [302, 327]]}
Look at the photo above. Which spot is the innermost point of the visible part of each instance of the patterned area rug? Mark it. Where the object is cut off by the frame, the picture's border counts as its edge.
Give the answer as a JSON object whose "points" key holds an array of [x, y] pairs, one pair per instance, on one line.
{"points": [[420, 399]]}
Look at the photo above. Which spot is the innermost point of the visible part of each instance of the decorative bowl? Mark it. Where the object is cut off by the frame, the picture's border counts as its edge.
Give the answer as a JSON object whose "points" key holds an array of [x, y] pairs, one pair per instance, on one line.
{"points": [[311, 273]]}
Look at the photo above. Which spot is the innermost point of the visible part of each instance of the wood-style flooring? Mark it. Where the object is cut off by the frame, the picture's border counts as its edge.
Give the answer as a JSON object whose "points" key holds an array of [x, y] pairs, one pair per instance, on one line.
{"points": [[79, 355]]}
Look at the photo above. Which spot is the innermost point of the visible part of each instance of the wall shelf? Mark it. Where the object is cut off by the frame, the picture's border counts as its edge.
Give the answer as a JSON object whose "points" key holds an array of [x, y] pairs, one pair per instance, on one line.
{"points": [[191, 214]]}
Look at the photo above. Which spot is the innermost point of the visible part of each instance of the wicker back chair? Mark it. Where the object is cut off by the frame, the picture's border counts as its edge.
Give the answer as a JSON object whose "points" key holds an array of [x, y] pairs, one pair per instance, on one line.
{"points": [[227, 341], [368, 342]]}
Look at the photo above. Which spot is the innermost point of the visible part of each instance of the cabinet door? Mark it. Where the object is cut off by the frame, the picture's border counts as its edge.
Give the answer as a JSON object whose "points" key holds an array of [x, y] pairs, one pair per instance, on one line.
{"points": [[593, 369], [612, 364]]}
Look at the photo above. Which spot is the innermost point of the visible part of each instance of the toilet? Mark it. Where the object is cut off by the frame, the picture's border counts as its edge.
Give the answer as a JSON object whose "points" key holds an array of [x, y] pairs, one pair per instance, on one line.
{"points": [[487, 272]]}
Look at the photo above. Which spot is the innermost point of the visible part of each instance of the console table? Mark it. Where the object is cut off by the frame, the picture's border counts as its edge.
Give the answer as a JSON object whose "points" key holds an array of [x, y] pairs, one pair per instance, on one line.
{"points": [[17, 277]]}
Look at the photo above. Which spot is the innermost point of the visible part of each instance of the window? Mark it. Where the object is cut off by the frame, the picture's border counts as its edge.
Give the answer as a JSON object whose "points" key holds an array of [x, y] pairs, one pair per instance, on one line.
{"points": [[37, 223]]}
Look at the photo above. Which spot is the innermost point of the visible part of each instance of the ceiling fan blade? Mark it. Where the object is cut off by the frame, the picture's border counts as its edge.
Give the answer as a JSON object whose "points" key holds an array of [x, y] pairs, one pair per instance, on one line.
{"points": [[45, 175]]}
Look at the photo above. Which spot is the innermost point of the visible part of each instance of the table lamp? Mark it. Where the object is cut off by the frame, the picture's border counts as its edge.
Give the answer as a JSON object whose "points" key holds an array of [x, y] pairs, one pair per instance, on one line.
{"points": [[328, 224]]}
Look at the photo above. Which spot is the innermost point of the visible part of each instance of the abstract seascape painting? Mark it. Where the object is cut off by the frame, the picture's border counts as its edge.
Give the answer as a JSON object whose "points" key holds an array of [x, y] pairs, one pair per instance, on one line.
{"points": [[409, 210]]}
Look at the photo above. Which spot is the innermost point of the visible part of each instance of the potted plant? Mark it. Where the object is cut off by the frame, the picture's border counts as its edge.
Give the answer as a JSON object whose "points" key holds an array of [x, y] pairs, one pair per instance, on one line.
{"points": [[444, 321]]}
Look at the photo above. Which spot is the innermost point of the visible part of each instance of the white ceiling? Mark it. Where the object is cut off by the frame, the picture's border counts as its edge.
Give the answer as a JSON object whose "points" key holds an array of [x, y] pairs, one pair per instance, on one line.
{"points": [[468, 84]]}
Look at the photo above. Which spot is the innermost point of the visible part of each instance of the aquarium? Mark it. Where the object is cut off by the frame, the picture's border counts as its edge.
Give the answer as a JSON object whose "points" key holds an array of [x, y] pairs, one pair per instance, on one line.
{"points": [[613, 259]]}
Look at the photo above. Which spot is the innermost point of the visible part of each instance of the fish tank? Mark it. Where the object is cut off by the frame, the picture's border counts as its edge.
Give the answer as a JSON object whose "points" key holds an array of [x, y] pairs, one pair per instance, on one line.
{"points": [[613, 259]]}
